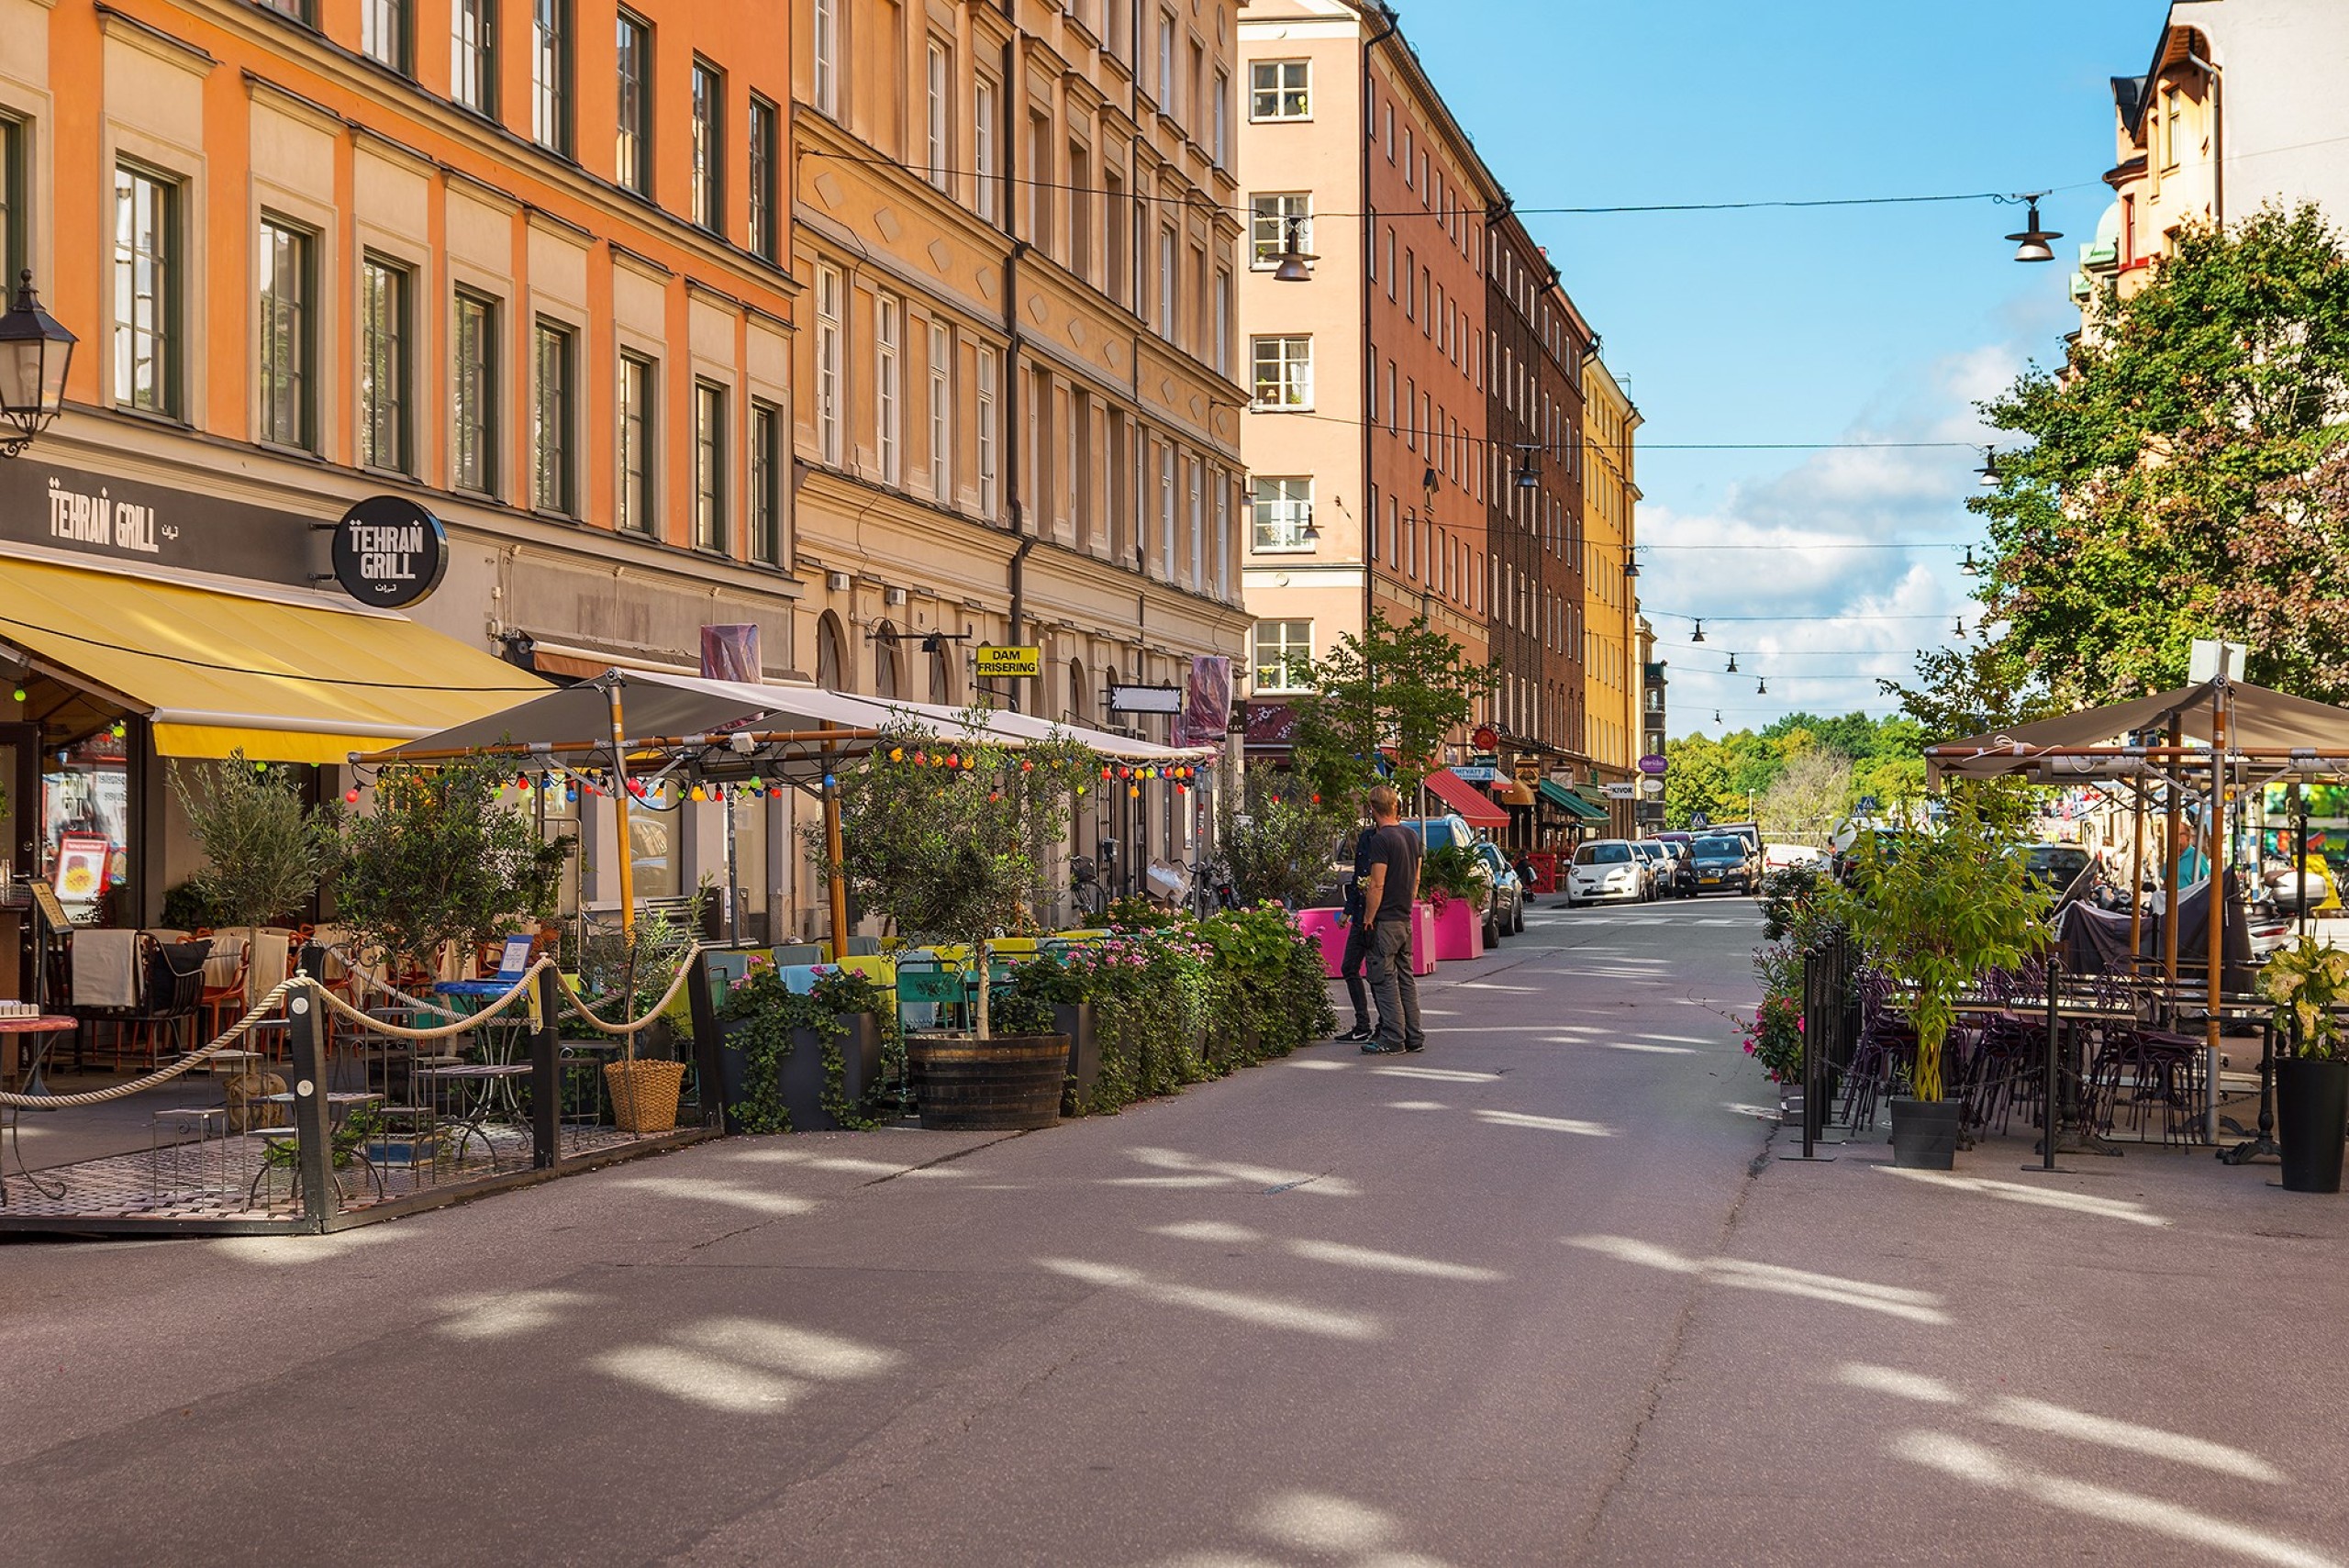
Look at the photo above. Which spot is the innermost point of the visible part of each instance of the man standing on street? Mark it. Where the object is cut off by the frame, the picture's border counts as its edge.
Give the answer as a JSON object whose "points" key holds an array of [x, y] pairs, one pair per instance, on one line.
{"points": [[1357, 953], [1389, 856]]}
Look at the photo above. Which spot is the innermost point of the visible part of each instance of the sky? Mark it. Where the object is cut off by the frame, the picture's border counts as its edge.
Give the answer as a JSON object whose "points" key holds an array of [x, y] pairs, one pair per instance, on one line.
{"points": [[1858, 324]]}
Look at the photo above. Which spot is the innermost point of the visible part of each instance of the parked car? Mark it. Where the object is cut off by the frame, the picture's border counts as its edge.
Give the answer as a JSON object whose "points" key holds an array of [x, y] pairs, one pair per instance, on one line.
{"points": [[2054, 866], [1780, 857], [1680, 869], [1658, 865], [1506, 915], [1724, 864], [1606, 871]]}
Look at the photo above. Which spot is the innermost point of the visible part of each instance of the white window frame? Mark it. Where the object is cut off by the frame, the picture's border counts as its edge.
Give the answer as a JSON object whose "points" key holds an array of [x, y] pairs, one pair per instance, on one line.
{"points": [[826, 51], [1280, 90], [983, 100], [988, 433], [828, 364], [1291, 362], [1166, 510], [1276, 208], [1166, 282], [938, 82], [1222, 322], [1198, 523], [888, 388], [1222, 117], [942, 411], [1292, 642], [1280, 510]]}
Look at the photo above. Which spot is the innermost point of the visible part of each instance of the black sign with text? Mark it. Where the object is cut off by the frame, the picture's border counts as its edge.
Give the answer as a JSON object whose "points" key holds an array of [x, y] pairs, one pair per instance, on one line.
{"points": [[111, 520], [389, 552]]}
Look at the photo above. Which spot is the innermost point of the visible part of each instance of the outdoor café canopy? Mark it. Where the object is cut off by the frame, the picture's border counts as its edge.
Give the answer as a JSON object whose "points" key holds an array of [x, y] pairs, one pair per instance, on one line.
{"points": [[2258, 721], [657, 707]]}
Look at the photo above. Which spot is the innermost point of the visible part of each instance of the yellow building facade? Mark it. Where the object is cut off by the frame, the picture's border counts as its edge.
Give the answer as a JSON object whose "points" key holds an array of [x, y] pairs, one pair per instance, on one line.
{"points": [[1613, 652]]}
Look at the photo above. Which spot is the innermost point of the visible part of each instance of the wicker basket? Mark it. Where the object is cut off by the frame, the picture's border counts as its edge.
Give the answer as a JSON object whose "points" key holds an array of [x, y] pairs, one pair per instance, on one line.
{"points": [[645, 1094]]}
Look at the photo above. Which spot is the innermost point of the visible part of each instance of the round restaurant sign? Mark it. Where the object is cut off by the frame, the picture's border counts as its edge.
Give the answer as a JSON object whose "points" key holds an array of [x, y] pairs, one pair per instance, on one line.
{"points": [[1653, 764], [389, 552]]}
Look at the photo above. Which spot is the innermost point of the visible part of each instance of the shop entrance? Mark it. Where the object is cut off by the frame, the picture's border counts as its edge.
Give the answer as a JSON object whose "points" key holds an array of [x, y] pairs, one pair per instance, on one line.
{"points": [[21, 824]]}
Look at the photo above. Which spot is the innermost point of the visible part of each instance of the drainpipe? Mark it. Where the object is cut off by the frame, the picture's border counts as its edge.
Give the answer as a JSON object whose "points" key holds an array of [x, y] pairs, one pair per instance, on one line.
{"points": [[2218, 139], [1389, 23], [1014, 427]]}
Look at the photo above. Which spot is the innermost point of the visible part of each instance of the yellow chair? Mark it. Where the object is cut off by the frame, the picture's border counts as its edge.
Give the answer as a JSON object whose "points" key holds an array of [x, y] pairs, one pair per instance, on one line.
{"points": [[881, 971], [1012, 947]]}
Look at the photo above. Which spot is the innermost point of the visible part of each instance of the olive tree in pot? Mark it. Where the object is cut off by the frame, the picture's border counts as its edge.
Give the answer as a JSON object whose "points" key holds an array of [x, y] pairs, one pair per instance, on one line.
{"points": [[2307, 983], [1932, 912], [946, 835], [265, 851]]}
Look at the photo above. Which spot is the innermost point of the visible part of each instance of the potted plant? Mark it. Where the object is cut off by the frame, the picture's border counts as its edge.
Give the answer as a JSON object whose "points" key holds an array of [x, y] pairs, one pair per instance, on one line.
{"points": [[1057, 987], [266, 852], [800, 1062], [1932, 912], [2307, 983], [1450, 882], [947, 837]]}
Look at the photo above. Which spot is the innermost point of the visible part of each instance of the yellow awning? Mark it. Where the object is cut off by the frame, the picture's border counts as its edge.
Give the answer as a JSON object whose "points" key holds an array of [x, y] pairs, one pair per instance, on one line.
{"points": [[219, 672]]}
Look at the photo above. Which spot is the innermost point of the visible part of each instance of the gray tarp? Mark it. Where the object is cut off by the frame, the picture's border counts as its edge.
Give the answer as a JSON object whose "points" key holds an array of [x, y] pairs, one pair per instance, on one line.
{"points": [[2257, 720]]}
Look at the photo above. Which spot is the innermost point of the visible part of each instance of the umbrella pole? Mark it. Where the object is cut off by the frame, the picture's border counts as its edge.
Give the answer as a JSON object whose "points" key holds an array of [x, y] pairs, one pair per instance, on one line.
{"points": [[2173, 829], [619, 812], [2136, 874], [833, 850], [2220, 771]]}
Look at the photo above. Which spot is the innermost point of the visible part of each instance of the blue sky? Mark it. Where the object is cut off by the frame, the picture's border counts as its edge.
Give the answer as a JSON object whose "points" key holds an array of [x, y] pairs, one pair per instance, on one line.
{"points": [[1874, 323]]}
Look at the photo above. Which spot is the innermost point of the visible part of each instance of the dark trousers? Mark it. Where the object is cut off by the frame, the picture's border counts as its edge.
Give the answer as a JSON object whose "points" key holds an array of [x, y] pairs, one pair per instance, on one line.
{"points": [[1397, 988], [1349, 970]]}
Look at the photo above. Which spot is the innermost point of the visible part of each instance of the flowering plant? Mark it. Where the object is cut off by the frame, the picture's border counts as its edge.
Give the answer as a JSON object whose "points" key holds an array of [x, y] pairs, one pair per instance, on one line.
{"points": [[2307, 982], [1773, 1038]]}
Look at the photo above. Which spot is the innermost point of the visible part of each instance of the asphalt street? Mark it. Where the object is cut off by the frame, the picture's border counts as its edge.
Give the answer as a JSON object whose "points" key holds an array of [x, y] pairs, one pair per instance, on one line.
{"points": [[1543, 1295]]}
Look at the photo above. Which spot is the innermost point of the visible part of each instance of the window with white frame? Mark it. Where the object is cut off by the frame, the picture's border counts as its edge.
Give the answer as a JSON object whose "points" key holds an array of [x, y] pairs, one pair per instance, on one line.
{"points": [[1166, 512], [1284, 655], [1282, 513], [1166, 62], [710, 465], [826, 43], [1223, 118], [828, 363], [1270, 214], [937, 83], [1222, 322], [941, 412], [982, 147], [382, 32], [551, 74], [887, 388], [1284, 372], [987, 434], [635, 512], [1199, 522], [473, 54], [1280, 90], [1167, 284], [146, 292]]}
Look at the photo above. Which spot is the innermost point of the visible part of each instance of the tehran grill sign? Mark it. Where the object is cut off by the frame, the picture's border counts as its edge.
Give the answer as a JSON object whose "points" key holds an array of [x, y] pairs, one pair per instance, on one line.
{"points": [[389, 552]]}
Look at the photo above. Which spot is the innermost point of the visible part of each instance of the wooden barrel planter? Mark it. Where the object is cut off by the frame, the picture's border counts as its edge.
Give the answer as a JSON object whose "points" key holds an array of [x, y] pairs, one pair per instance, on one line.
{"points": [[1010, 1083]]}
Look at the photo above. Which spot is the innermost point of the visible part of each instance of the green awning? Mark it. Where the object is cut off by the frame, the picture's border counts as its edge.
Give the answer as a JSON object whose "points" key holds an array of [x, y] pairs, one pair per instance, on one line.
{"points": [[1570, 802]]}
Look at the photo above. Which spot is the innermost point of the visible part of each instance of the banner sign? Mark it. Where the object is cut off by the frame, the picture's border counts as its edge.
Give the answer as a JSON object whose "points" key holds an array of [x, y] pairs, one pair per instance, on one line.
{"points": [[731, 653], [1653, 764], [1207, 703], [1009, 664], [117, 521], [1621, 791], [1145, 699], [389, 552]]}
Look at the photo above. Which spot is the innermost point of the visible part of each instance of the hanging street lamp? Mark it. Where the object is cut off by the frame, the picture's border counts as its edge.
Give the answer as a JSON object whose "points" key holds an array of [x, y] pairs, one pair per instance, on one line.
{"points": [[34, 353], [2031, 245], [1295, 266]]}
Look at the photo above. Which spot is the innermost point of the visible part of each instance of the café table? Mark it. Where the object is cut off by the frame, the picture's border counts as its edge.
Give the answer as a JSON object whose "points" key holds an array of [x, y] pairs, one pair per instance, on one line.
{"points": [[37, 1035], [477, 1086]]}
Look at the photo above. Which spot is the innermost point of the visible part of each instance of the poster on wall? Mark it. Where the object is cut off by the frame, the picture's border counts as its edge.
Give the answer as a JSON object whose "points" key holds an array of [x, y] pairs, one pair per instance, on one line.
{"points": [[81, 866], [1207, 703]]}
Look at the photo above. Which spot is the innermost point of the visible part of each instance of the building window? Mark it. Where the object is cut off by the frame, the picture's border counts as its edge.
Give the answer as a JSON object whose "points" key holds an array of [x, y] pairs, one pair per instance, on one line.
{"points": [[938, 86], [1269, 217], [1166, 323], [1166, 62], [888, 388], [382, 32], [146, 292], [708, 190], [827, 50], [1222, 119], [632, 160], [1166, 513], [382, 365], [1199, 525], [1284, 655], [283, 316], [551, 76], [552, 357], [828, 364], [15, 203], [299, 11], [1280, 90], [1222, 322], [1284, 372], [472, 397], [473, 54], [982, 147], [1283, 515], [764, 232], [766, 483], [2173, 128], [637, 511], [941, 412], [986, 432], [709, 467]]}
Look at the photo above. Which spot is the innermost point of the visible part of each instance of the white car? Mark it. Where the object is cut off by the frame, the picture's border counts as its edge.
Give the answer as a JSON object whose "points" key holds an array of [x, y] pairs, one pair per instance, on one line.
{"points": [[1778, 857], [1605, 871]]}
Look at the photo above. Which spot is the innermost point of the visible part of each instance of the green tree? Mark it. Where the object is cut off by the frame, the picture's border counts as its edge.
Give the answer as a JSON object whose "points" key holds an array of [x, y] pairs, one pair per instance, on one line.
{"points": [[266, 851], [1810, 796], [1403, 689], [441, 858], [1279, 841], [1696, 780], [2175, 484], [946, 834]]}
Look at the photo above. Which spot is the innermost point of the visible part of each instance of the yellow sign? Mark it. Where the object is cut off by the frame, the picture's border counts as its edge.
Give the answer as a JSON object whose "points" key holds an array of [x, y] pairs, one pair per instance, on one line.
{"points": [[1007, 663]]}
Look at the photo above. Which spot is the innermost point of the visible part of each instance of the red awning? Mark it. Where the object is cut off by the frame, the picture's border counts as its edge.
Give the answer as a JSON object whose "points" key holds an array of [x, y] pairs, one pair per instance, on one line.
{"points": [[1466, 799]]}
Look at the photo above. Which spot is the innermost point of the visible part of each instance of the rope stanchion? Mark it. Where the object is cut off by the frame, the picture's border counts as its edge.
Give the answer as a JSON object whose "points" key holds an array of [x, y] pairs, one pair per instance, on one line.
{"points": [[236, 1031], [442, 1032], [684, 969]]}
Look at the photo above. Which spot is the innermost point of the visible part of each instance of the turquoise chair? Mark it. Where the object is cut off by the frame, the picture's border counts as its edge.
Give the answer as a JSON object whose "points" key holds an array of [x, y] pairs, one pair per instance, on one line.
{"points": [[926, 991]]}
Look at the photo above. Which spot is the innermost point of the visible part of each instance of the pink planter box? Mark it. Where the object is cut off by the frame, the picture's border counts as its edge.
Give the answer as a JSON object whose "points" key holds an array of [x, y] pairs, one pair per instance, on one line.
{"points": [[1322, 926], [1423, 939], [1458, 933]]}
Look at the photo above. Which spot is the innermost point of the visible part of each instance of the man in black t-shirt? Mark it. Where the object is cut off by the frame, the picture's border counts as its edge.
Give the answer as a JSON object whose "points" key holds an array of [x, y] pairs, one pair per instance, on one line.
{"points": [[1389, 856], [1357, 953]]}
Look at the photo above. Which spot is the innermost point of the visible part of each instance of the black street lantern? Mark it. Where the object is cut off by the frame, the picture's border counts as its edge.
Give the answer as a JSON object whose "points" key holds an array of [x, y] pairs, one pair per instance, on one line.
{"points": [[1761, 688], [1630, 568], [2031, 244], [1732, 665], [1295, 266], [1529, 470], [1700, 633], [34, 353]]}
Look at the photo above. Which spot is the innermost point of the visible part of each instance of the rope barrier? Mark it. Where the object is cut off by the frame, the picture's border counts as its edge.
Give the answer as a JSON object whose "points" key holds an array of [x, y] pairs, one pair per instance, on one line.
{"points": [[685, 968], [442, 1032], [88, 1097]]}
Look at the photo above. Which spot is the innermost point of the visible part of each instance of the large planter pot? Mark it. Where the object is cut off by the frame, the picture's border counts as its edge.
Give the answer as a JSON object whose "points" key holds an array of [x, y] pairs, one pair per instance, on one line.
{"points": [[1009, 1083], [1457, 935], [800, 1075], [1422, 939], [2312, 1109], [1077, 1020], [644, 1094], [1323, 926], [1924, 1134]]}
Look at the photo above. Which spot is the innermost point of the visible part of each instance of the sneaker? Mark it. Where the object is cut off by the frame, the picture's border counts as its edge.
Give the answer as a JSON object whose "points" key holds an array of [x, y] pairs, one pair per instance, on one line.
{"points": [[1372, 1048], [1419, 1044], [1359, 1033]]}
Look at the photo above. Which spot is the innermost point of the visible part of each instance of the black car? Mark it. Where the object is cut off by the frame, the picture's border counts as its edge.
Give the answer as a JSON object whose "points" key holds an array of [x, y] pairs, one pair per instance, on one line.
{"points": [[1678, 877], [1723, 862]]}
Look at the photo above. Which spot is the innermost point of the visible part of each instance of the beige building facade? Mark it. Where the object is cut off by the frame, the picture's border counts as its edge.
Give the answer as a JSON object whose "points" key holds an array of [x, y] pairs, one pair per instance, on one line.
{"points": [[1019, 418]]}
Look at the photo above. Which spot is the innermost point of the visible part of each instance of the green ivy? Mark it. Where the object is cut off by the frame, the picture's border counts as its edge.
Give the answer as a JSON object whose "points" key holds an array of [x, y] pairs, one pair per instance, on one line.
{"points": [[765, 1015]]}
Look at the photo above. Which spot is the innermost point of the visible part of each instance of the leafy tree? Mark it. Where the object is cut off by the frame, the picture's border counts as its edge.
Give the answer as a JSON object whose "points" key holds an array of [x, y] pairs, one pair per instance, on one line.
{"points": [[1399, 688], [1276, 839], [266, 851], [442, 860], [1810, 796], [2184, 478], [947, 835], [1696, 780]]}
